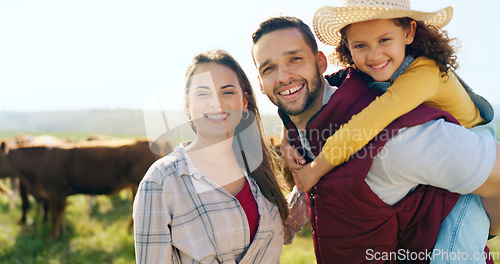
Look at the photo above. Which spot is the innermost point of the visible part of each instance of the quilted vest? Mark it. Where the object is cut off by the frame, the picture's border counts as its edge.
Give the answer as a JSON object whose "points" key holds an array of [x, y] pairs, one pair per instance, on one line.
{"points": [[350, 223]]}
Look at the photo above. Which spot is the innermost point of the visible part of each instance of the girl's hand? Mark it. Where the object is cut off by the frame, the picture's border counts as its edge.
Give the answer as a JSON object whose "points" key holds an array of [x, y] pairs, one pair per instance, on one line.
{"points": [[306, 178], [311, 173], [292, 157]]}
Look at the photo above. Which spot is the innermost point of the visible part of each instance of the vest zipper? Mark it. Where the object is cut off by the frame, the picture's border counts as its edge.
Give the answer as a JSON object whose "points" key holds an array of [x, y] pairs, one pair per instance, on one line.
{"points": [[311, 197]]}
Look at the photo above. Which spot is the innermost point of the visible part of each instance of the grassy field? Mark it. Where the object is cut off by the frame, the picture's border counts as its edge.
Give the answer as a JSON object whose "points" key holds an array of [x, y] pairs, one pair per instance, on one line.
{"points": [[97, 233]]}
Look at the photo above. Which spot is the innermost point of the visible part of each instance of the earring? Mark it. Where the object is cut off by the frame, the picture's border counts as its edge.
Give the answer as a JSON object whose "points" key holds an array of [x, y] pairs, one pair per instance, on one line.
{"points": [[243, 116]]}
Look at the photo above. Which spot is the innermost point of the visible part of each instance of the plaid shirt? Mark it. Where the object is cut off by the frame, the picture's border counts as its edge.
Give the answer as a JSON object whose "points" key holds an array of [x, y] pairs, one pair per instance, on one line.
{"points": [[181, 216]]}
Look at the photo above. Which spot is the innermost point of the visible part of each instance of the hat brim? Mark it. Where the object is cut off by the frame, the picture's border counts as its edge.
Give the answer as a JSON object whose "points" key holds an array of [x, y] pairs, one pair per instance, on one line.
{"points": [[328, 21]]}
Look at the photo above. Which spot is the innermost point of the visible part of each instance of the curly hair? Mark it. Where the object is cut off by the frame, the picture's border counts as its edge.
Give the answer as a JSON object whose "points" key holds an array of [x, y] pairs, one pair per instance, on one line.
{"points": [[429, 42]]}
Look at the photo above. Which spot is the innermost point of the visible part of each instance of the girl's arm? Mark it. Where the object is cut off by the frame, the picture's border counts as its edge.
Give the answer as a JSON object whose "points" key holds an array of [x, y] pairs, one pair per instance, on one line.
{"points": [[411, 89], [310, 174]]}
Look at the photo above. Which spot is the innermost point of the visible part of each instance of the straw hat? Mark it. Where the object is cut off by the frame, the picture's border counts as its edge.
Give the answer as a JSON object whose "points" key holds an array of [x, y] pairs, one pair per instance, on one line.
{"points": [[328, 21]]}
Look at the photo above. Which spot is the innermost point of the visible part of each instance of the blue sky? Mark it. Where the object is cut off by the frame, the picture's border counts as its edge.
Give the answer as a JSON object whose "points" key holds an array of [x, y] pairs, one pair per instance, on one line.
{"points": [[67, 55]]}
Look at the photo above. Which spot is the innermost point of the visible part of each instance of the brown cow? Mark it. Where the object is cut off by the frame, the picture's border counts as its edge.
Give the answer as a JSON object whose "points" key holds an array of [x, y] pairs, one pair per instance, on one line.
{"points": [[52, 174], [6, 170], [3, 172]]}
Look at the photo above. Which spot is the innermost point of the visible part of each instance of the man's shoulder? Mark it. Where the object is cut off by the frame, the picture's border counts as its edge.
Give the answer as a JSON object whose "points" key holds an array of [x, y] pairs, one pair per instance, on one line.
{"points": [[337, 78]]}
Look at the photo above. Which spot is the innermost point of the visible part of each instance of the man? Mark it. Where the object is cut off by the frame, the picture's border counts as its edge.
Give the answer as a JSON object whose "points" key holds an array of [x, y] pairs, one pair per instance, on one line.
{"points": [[353, 212]]}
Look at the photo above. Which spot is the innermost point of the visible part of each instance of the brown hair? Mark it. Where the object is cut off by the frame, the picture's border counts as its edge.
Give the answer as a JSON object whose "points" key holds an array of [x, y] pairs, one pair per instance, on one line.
{"points": [[429, 42], [265, 174], [285, 22]]}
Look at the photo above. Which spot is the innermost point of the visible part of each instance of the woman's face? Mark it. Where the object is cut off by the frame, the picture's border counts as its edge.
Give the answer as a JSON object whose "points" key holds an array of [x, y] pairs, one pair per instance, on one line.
{"points": [[215, 100]]}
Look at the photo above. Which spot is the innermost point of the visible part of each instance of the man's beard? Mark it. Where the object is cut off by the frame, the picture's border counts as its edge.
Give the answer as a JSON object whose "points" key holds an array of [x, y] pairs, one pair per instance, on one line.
{"points": [[311, 95]]}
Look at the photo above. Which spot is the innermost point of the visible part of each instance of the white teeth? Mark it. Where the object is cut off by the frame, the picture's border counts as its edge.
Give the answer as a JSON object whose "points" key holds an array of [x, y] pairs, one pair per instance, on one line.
{"points": [[380, 66], [292, 90], [217, 116]]}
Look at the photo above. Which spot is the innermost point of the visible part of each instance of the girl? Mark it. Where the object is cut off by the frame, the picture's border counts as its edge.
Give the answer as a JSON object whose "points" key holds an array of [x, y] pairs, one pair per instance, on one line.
{"points": [[397, 49], [404, 54], [214, 199]]}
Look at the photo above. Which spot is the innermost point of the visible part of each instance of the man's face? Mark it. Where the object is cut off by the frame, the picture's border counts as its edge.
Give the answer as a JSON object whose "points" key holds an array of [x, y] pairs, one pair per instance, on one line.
{"points": [[288, 70]]}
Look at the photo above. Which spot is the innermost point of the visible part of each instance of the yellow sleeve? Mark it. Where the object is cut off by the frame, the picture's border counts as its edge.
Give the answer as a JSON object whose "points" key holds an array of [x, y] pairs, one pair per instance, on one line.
{"points": [[415, 86]]}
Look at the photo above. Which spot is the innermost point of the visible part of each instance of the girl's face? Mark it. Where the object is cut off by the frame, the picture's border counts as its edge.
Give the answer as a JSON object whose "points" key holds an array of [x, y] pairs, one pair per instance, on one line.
{"points": [[215, 100], [378, 46]]}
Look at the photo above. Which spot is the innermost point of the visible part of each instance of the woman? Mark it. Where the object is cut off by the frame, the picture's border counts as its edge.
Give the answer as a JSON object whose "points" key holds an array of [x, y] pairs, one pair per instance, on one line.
{"points": [[214, 199]]}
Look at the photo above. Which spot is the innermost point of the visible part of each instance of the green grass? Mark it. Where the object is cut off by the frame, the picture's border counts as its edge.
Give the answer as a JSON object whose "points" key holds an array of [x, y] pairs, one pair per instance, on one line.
{"points": [[494, 245], [97, 233], [301, 250]]}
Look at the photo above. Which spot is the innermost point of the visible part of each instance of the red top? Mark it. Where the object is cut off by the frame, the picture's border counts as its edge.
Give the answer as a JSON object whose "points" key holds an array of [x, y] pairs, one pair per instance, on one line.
{"points": [[250, 207]]}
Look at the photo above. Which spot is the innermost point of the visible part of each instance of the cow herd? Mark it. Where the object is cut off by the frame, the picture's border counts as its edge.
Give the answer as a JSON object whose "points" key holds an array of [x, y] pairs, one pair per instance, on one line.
{"points": [[52, 173], [50, 169]]}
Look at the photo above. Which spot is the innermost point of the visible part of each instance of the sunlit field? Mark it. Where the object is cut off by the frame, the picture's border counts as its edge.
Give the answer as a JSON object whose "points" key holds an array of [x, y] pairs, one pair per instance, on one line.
{"points": [[97, 233]]}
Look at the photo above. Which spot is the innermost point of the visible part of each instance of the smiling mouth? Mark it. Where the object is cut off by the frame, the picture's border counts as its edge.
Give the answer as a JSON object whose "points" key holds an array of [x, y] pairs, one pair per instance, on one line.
{"points": [[379, 66], [217, 116], [291, 90]]}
